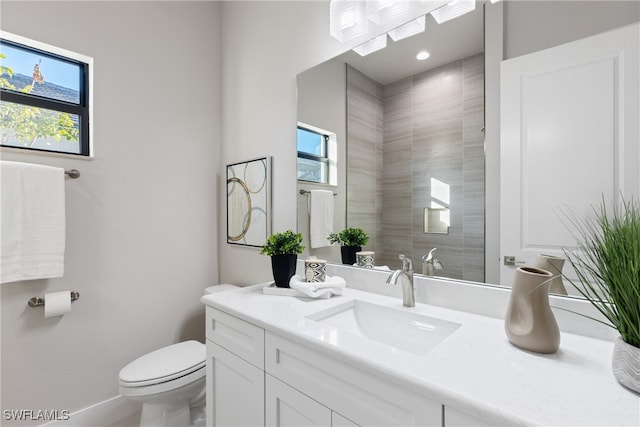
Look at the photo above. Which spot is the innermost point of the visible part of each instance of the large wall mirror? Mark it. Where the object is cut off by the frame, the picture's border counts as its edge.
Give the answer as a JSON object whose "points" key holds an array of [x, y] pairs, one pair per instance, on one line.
{"points": [[410, 148]]}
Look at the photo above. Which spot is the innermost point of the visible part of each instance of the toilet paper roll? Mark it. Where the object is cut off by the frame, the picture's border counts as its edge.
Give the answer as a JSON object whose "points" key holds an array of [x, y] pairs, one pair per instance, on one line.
{"points": [[57, 303]]}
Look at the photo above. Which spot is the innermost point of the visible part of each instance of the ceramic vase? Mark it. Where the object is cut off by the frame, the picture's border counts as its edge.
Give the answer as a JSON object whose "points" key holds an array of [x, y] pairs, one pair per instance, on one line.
{"points": [[552, 264], [626, 364], [529, 322], [349, 254], [283, 268]]}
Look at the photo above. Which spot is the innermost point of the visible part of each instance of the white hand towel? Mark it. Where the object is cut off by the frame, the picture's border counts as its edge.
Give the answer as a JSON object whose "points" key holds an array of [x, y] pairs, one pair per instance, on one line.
{"points": [[320, 217], [332, 285], [32, 221]]}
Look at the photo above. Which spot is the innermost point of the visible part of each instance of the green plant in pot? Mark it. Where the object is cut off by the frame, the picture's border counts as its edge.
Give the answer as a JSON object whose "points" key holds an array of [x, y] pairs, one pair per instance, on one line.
{"points": [[283, 248], [352, 240], [607, 264]]}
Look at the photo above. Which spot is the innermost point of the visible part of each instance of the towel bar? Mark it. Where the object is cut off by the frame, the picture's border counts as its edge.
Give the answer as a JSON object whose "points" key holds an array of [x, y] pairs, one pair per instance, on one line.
{"points": [[39, 302], [309, 192], [73, 173]]}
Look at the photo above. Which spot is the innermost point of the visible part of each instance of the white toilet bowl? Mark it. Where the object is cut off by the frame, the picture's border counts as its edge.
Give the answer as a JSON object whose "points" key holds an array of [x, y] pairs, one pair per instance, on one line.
{"points": [[167, 382]]}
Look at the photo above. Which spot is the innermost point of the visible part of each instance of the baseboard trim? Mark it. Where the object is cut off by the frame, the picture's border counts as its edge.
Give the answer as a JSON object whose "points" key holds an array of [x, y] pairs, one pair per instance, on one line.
{"points": [[104, 413]]}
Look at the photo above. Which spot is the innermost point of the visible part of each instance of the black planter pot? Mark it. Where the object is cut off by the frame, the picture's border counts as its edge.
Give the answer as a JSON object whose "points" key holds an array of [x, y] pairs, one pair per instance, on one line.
{"points": [[284, 267], [349, 254]]}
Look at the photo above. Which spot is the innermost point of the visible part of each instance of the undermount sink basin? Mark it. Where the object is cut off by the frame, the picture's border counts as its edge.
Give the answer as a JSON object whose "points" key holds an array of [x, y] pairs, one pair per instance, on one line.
{"points": [[399, 328]]}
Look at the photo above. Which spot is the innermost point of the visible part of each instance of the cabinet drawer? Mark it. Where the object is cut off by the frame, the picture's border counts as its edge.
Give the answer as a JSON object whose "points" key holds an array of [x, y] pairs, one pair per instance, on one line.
{"points": [[362, 398], [237, 336]]}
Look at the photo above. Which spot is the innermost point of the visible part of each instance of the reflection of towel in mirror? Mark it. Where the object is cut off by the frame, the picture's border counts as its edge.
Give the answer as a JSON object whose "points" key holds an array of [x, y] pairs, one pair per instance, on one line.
{"points": [[320, 217], [332, 285]]}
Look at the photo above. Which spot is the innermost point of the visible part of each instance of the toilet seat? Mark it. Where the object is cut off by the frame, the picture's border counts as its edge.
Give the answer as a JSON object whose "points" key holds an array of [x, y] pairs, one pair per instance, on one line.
{"points": [[166, 364]]}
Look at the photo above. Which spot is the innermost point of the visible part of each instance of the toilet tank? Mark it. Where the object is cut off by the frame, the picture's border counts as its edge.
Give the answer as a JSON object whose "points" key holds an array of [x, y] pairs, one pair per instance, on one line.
{"points": [[219, 288]]}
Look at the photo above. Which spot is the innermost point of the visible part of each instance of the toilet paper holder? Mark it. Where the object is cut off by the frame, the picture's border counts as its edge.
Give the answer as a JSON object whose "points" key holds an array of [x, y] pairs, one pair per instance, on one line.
{"points": [[39, 302]]}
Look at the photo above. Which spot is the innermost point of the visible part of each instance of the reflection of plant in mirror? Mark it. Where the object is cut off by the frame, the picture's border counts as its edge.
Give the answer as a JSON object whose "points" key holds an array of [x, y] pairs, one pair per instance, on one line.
{"points": [[351, 236], [285, 243], [607, 262]]}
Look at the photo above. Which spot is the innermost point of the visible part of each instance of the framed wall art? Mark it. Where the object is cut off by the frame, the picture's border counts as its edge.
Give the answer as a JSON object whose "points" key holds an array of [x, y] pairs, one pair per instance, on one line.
{"points": [[249, 202]]}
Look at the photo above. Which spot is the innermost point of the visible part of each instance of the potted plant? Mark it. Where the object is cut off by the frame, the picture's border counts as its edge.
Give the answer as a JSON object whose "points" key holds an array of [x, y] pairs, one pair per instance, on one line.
{"points": [[607, 264], [351, 240], [283, 248]]}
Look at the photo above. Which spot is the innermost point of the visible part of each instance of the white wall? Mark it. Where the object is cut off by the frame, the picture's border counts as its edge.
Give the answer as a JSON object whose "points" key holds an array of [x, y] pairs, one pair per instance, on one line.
{"points": [[321, 102], [533, 25], [141, 220]]}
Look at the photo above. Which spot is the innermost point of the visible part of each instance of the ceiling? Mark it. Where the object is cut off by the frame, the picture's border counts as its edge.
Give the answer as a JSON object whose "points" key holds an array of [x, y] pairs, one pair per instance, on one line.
{"points": [[446, 42]]}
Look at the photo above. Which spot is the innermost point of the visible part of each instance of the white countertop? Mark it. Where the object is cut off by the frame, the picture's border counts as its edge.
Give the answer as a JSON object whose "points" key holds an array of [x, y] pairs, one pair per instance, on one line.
{"points": [[475, 370]]}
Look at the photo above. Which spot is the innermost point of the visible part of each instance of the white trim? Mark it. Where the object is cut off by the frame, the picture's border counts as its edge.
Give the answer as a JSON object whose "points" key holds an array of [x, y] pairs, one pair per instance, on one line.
{"points": [[104, 413]]}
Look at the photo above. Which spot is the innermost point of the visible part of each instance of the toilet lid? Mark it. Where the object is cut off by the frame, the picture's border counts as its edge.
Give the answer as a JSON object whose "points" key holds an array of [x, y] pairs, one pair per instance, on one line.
{"points": [[164, 364]]}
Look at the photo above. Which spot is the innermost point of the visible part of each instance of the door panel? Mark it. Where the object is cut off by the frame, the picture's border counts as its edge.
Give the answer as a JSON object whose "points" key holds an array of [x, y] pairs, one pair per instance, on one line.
{"points": [[569, 139]]}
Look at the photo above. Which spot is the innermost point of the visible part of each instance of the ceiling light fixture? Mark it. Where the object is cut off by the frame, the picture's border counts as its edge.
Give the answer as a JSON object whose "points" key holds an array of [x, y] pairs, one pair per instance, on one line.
{"points": [[422, 55], [371, 46], [380, 11], [453, 10], [347, 19], [409, 29]]}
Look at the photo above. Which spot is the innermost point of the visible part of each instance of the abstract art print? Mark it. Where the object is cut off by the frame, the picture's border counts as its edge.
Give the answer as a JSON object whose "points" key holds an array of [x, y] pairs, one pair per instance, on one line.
{"points": [[249, 202]]}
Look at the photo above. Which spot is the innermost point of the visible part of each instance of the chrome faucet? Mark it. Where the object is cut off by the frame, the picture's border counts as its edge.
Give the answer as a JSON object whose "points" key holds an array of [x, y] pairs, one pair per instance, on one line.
{"points": [[430, 263], [408, 297]]}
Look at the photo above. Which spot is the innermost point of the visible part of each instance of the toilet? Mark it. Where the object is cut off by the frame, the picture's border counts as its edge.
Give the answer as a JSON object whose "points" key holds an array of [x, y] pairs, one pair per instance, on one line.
{"points": [[168, 382]]}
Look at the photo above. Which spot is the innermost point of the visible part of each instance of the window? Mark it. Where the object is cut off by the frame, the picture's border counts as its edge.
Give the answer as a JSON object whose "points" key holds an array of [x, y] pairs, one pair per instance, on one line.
{"points": [[44, 97], [313, 158]]}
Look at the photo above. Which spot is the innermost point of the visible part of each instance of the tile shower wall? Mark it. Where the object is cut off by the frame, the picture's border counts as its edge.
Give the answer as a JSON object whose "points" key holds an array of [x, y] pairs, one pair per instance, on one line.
{"points": [[431, 133]]}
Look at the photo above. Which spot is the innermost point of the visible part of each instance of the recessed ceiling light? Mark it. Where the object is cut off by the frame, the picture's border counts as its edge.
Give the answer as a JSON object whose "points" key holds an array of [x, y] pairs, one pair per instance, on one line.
{"points": [[422, 55]]}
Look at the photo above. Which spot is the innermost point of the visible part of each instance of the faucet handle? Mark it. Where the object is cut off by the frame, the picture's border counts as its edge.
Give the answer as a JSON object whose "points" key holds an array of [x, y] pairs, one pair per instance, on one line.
{"points": [[428, 256], [407, 265]]}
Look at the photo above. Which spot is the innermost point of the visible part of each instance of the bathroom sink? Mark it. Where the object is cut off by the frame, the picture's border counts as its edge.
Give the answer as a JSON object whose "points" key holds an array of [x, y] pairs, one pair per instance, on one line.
{"points": [[395, 327]]}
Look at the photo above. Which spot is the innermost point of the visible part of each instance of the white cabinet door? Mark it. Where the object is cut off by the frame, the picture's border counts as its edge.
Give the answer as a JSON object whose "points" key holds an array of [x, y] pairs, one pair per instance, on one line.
{"points": [[287, 407], [569, 138], [235, 390]]}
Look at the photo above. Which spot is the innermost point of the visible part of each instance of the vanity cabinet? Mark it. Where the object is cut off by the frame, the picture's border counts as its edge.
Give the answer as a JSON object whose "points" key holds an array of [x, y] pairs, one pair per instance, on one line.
{"points": [[255, 377]]}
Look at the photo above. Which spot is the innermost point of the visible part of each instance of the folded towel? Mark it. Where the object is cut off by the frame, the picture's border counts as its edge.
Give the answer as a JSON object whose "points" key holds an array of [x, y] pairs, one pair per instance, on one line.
{"points": [[320, 217], [32, 222], [332, 285]]}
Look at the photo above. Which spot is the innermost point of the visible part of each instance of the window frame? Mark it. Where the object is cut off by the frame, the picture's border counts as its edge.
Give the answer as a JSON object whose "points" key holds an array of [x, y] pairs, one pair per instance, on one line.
{"points": [[319, 158], [83, 109]]}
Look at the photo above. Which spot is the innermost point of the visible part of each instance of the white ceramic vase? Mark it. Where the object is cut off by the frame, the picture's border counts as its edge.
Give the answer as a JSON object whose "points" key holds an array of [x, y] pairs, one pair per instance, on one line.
{"points": [[529, 323], [626, 364], [552, 264]]}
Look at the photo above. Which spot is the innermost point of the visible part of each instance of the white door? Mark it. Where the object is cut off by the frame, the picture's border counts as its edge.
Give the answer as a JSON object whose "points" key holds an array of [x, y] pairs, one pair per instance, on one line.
{"points": [[569, 138]]}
